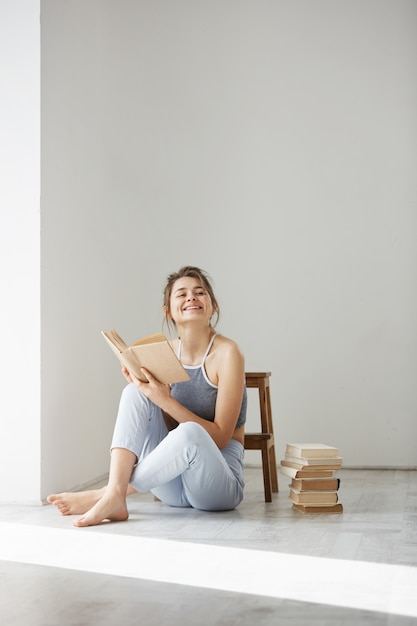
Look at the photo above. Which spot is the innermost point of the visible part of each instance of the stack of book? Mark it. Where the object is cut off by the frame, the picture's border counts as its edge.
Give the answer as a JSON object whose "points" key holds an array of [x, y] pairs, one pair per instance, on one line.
{"points": [[311, 467]]}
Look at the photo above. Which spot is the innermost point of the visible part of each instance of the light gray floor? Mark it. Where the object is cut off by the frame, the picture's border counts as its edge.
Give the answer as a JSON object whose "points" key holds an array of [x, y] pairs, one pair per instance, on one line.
{"points": [[260, 565]]}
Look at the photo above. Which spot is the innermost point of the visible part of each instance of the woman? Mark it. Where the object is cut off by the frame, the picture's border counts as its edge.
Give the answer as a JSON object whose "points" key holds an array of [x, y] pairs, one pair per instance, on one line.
{"points": [[183, 442]]}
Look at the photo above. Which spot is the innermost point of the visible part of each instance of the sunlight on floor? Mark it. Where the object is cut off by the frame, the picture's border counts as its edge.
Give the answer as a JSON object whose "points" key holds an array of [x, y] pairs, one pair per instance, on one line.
{"points": [[351, 584]]}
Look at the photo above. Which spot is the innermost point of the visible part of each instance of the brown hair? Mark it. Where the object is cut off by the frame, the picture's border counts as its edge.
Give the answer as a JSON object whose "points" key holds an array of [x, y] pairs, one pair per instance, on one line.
{"points": [[193, 272]]}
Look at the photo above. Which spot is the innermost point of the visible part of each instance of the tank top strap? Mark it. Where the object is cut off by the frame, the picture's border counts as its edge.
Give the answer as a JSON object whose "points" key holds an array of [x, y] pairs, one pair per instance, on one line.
{"points": [[208, 348]]}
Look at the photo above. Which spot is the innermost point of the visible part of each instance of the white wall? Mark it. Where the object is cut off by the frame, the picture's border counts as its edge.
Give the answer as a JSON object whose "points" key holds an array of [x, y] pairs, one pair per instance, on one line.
{"points": [[19, 251], [274, 144]]}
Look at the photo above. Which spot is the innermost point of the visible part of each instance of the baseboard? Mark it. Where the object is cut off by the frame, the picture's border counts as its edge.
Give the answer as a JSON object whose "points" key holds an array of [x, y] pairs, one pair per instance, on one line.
{"points": [[401, 468]]}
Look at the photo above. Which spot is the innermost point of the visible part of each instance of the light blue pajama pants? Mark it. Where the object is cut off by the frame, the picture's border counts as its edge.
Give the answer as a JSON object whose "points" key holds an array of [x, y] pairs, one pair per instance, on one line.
{"points": [[182, 467]]}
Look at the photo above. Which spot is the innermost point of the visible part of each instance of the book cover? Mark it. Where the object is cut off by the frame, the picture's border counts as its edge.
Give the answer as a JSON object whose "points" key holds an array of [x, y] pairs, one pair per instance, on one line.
{"points": [[315, 484], [311, 450], [302, 466], [316, 510], [314, 461], [310, 472], [153, 352], [313, 497]]}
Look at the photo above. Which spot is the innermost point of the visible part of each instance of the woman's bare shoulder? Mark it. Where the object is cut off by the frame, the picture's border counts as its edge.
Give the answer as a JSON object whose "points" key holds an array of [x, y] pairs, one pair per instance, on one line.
{"points": [[225, 360], [225, 345]]}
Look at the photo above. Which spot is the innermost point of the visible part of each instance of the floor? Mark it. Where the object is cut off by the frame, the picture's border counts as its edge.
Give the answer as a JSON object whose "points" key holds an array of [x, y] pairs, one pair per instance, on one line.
{"points": [[260, 565]]}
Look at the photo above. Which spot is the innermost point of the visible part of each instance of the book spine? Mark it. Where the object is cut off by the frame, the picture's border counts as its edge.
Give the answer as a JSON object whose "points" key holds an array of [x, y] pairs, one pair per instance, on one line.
{"points": [[313, 498], [316, 484]]}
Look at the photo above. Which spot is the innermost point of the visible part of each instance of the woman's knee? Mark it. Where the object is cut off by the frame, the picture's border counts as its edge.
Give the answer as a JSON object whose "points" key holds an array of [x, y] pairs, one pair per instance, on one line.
{"points": [[130, 391], [191, 432], [132, 395], [133, 404]]}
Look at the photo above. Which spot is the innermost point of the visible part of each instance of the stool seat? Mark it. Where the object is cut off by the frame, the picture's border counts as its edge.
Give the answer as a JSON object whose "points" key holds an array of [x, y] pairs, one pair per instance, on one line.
{"points": [[264, 440]]}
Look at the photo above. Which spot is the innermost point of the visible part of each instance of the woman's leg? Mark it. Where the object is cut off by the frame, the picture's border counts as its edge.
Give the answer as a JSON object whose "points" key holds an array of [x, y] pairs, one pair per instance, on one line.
{"points": [[112, 505], [139, 427], [182, 468], [188, 469]]}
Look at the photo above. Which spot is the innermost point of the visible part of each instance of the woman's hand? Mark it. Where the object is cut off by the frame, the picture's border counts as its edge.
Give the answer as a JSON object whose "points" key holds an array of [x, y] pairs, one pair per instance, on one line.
{"points": [[127, 375], [157, 392]]}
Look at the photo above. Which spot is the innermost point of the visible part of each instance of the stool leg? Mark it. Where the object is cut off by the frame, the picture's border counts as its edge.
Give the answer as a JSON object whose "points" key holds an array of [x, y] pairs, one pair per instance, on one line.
{"points": [[267, 475], [273, 467]]}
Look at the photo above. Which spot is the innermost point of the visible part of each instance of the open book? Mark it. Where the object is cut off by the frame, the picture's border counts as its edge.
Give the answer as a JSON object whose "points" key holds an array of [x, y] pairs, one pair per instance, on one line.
{"points": [[154, 353]]}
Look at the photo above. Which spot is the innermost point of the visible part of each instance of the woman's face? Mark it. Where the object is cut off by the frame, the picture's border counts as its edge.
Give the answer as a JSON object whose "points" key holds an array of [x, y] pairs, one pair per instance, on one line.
{"points": [[190, 301]]}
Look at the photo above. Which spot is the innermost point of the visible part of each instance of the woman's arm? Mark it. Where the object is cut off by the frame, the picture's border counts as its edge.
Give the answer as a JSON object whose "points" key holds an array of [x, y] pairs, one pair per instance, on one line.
{"points": [[229, 367]]}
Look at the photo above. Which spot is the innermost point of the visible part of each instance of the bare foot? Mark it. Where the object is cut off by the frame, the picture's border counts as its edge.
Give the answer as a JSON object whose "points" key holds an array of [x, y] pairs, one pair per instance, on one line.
{"points": [[76, 503], [109, 507]]}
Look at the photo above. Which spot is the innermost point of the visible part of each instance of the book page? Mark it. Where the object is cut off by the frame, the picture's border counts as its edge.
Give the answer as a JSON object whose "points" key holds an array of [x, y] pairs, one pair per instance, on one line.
{"points": [[311, 450], [114, 340], [155, 338]]}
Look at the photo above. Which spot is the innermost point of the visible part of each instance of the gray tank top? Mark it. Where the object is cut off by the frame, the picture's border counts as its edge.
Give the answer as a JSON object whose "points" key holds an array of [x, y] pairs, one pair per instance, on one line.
{"points": [[198, 394]]}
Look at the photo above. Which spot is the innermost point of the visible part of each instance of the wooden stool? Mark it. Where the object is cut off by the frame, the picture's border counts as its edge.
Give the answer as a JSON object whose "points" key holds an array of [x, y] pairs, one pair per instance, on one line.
{"points": [[264, 440]]}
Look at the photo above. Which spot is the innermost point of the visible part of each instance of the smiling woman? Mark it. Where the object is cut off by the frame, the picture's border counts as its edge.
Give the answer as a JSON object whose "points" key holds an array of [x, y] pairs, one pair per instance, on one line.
{"points": [[193, 291], [183, 442]]}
